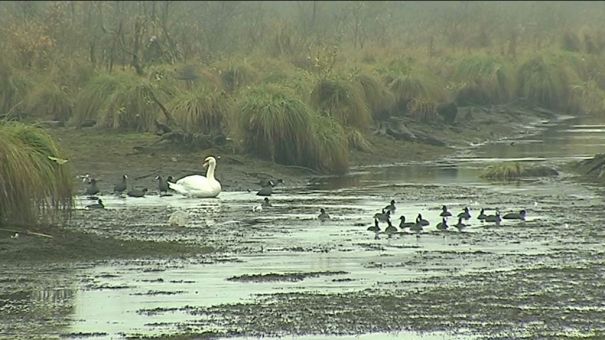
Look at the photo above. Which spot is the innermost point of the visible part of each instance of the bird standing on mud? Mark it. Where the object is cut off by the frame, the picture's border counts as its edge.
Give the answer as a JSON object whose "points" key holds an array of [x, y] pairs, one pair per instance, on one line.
{"points": [[323, 215], [92, 188], [119, 188]]}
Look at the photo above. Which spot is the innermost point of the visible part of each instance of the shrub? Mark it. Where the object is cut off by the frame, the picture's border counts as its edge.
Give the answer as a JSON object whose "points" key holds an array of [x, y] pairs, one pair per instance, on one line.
{"points": [[201, 110], [544, 83]]}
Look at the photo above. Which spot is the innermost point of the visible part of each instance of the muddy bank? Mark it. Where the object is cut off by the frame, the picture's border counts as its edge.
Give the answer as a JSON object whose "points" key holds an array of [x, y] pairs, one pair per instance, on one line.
{"points": [[61, 244]]}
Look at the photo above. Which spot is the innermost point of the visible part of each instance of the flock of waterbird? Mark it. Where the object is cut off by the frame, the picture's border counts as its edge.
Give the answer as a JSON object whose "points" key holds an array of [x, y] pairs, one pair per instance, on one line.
{"points": [[418, 225]]}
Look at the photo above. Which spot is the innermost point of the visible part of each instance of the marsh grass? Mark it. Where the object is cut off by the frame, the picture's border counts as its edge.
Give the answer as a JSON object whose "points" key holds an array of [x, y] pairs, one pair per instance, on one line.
{"points": [[14, 86], [483, 80], [415, 83], [275, 124], [33, 188], [378, 97], [330, 145], [235, 75], [544, 83], [514, 170], [48, 100], [343, 100], [119, 101], [202, 110]]}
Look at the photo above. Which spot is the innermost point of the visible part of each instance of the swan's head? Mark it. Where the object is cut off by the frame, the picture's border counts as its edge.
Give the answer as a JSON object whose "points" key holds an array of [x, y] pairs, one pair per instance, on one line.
{"points": [[209, 161]]}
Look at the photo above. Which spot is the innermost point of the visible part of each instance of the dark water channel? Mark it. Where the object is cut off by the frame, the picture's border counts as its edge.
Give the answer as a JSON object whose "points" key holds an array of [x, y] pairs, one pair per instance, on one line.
{"points": [[563, 230]]}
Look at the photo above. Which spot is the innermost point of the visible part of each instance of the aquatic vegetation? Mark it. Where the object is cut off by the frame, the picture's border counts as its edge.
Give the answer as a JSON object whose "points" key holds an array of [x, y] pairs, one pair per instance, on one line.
{"points": [[35, 184], [514, 170], [411, 83], [330, 150]]}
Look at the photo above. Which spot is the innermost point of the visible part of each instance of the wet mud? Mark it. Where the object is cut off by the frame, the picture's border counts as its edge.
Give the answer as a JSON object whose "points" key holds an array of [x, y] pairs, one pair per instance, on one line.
{"points": [[281, 272]]}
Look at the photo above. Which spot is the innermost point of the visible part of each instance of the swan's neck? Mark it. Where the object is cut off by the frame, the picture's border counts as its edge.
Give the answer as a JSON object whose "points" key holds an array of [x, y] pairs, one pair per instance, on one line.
{"points": [[210, 172]]}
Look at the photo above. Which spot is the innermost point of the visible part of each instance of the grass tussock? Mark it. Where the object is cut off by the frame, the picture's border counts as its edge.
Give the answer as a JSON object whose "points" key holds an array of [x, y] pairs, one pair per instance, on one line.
{"points": [[236, 75], [14, 86], [33, 187], [483, 80], [343, 100], [358, 141], [544, 83], [514, 170], [408, 84], [378, 97], [275, 124], [120, 101], [201, 110], [330, 146], [48, 100]]}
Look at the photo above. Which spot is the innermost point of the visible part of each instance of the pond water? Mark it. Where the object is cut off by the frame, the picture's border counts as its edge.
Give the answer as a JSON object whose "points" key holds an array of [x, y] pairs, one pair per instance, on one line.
{"points": [[115, 299]]}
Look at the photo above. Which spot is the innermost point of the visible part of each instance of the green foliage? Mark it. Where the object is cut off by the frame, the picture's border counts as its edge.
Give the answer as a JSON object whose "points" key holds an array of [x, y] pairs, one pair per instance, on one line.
{"points": [[357, 140], [342, 100], [201, 110], [544, 83], [118, 101], [33, 187], [483, 80], [588, 97], [275, 125]]}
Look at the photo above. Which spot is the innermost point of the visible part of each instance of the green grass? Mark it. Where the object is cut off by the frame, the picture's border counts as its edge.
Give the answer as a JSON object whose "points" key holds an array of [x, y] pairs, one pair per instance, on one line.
{"points": [[483, 79], [201, 110], [14, 86], [544, 83], [235, 75], [275, 124], [378, 97], [411, 83], [330, 146], [343, 100], [509, 171], [118, 101], [33, 188], [48, 100]]}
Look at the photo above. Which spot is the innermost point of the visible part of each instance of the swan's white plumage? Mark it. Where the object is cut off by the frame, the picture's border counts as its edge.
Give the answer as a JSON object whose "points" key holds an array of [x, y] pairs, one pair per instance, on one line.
{"points": [[199, 186]]}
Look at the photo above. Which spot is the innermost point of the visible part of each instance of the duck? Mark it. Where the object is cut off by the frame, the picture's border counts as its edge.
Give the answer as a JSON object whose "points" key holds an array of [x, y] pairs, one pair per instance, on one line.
{"points": [[92, 188], [163, 184], [119, 188], [444, 212], [266, 203], [494, 218], [137, 192], [481, 215], [515, 216], [375, 228], [421, 221], [267, 188], [442, 225], [460, 225], [197, 185], [465, 214], [416, 228], [403, 224], [391, 229], [98, 205], [383, 216], [323, 215], [391, 207]]}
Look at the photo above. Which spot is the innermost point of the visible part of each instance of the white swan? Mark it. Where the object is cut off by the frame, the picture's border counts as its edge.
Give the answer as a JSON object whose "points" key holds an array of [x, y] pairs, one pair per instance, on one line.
{"points": [[199, 186]]}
